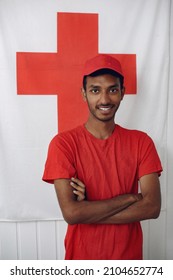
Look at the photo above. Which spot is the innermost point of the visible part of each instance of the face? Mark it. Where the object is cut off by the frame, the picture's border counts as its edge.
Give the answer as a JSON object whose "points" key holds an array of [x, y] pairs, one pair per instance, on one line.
{"points": [[103, 95]]}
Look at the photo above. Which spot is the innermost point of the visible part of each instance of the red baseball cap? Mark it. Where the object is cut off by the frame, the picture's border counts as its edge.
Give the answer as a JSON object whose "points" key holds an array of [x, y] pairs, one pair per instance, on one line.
{"points": [[102, 61]]}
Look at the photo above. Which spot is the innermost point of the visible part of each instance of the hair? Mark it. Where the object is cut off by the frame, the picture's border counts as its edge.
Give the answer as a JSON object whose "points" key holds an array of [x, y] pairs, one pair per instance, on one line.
{"points": [[103, 72]]}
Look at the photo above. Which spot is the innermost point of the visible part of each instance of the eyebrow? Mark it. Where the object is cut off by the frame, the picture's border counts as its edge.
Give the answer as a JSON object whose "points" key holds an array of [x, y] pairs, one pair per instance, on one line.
{"points": [[98, 86], [115, 85]]}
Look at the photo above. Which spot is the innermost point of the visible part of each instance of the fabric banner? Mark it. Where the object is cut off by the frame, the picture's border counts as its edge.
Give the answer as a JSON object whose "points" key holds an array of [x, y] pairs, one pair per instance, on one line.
{"points": [[40, 80]]}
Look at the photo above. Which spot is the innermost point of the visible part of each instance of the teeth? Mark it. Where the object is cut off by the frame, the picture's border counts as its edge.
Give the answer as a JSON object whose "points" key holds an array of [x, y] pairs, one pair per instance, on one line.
{"points": [[104, 108]]}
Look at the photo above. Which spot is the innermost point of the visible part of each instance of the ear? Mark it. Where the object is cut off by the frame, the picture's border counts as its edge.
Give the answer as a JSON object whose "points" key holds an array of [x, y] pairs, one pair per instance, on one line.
{"points": [[83, 94]]}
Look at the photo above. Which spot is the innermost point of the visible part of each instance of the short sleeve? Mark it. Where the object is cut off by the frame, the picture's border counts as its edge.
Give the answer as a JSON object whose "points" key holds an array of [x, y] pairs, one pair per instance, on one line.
{"points": [[149, 161], [59, 163]]}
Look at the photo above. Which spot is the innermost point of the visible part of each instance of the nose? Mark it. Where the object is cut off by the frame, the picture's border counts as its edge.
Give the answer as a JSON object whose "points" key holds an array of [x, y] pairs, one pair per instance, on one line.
{"points": [[104, 98]]}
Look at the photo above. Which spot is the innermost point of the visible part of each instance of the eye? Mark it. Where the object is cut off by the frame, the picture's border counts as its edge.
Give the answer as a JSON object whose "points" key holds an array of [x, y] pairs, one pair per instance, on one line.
{"points": [[94, 90], [114, 90]]}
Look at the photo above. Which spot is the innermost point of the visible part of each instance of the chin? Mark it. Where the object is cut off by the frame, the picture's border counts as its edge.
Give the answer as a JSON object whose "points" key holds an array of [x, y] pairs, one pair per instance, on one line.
{"points": [[106, 119]]}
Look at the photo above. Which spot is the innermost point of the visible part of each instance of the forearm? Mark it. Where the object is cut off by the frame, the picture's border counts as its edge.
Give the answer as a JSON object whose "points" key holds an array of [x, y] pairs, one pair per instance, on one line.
{"points": [[88, 212], [122, 209], [75, 212], [138, 211]]}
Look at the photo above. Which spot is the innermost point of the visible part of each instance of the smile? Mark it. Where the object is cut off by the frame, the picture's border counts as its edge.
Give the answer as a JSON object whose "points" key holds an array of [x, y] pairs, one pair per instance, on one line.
{"points": [[105, 108]]}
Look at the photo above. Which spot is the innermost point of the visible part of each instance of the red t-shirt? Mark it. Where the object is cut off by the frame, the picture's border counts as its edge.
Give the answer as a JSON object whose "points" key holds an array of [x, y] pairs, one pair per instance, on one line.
{"points": [[108, 168]]}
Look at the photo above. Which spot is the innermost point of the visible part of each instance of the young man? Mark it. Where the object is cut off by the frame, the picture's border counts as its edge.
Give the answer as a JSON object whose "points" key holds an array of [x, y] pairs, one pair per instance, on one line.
{"points": [[96, 169]]}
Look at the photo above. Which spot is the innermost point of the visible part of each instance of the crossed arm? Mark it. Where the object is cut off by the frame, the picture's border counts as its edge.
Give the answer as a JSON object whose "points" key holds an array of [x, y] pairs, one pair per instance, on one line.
{"points": [[121, 209]]}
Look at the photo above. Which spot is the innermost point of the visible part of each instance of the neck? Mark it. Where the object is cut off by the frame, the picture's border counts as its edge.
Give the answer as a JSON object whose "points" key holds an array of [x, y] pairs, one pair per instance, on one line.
{"points": [[99, 129]]}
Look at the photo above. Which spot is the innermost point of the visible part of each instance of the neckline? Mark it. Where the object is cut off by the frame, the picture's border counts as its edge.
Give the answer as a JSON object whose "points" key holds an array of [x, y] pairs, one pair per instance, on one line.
{"points": [[99, 139]]}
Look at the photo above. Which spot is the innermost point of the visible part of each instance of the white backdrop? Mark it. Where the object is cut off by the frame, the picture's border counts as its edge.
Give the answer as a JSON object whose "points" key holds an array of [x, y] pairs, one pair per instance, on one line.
{"points": [[27, 123]]}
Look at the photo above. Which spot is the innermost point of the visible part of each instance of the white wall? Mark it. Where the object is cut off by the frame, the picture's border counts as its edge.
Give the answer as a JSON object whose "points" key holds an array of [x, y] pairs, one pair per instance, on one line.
{"points": [[36, 240]]}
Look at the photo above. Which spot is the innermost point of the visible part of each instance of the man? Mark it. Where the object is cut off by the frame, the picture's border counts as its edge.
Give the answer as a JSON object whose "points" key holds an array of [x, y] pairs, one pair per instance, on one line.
{"points": [[104, 163]]}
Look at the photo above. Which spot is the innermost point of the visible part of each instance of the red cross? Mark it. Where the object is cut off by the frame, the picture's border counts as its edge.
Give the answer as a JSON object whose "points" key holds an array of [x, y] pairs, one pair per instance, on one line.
{"points": [[60, 73]]}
